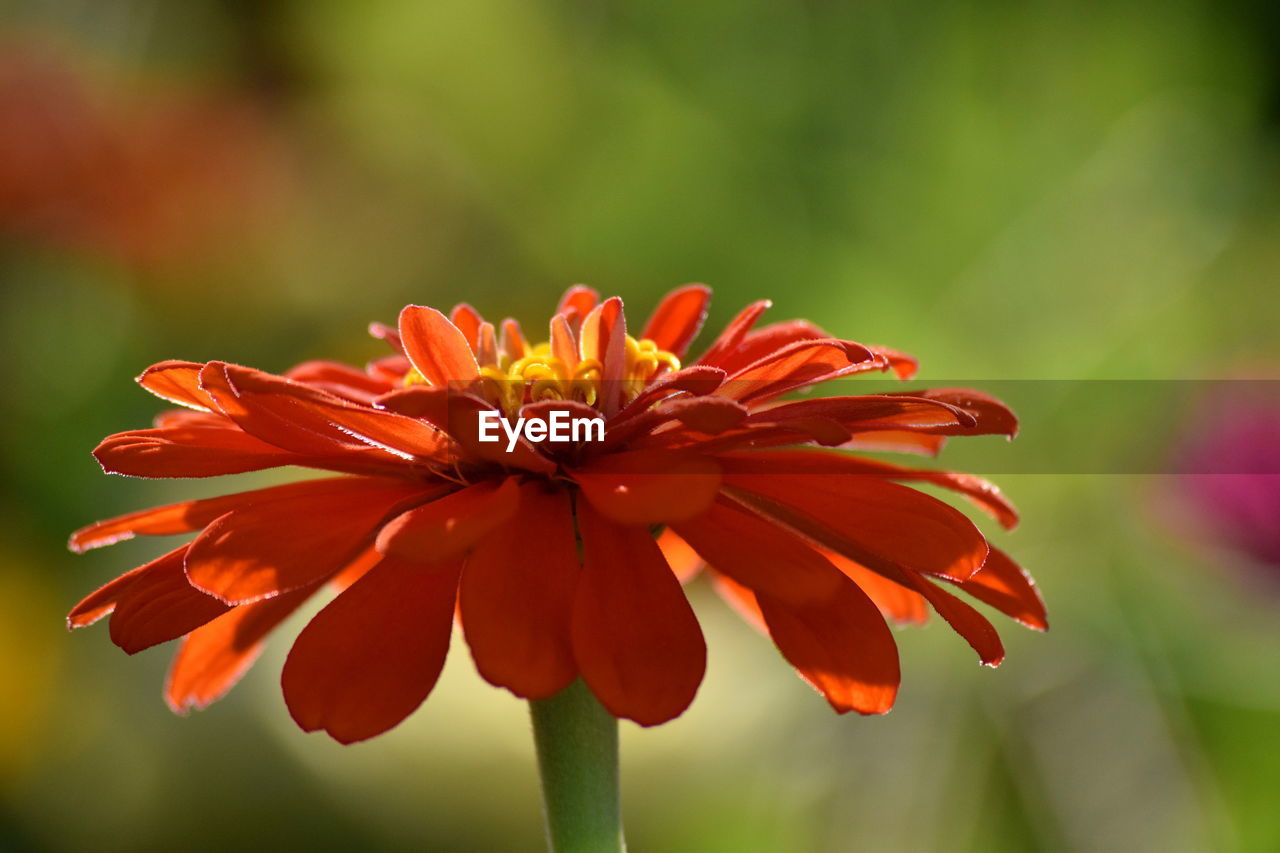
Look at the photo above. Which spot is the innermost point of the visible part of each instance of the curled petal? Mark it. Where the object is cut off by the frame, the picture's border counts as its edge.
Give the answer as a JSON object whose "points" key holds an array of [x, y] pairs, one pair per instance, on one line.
{"points": [[801, 461], [698, 380], [991, 416], [903, 365], [178, 382], [758, 343], [705, 416], [103, 600], [269, 425]]}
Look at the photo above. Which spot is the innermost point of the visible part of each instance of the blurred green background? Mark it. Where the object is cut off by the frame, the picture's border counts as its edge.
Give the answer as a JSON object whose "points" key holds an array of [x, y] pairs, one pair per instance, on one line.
{"points": [[1044, 190]]}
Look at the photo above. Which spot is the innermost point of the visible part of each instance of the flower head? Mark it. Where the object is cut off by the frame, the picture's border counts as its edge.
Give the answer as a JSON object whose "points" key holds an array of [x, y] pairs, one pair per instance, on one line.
{"points": [[561, 558]]}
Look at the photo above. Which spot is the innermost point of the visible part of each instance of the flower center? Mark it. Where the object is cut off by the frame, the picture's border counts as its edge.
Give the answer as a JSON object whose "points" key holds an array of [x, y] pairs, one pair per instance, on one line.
{"points": [[539, 375]]}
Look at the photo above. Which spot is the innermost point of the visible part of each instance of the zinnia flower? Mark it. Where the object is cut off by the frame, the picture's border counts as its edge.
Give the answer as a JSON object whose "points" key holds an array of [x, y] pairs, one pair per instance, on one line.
{"points": [[560, 559]]}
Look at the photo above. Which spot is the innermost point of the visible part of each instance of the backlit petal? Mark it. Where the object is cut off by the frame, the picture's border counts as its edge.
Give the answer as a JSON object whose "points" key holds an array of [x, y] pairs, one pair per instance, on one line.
{"points": [[214, 656], [178, 382], [678, 318], [437, 348], [841, 646], [161, 605], [264, 549], [967, 622], [1004, 585], [758, 554]]}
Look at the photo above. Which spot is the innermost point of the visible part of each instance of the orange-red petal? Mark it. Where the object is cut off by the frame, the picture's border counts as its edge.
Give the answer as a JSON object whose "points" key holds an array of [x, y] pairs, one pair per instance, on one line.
{"points": [[341, 380], [516, 597], [678, 318], [801, 461], [795, 366], [841, 646], [577, 302], [685, 562], [1004, 585], [759, 554], [369, 659], [604, 338], [468, 321], [265, 549], [980, 634], [866, 518], [214, 656], [161, 605], [322, 414], [178, 382], [188, 451], [448, 526], [729, 339], [103, 600], [645, 487], [437, 348], [188, 515], [635, 638], [900, 603]]}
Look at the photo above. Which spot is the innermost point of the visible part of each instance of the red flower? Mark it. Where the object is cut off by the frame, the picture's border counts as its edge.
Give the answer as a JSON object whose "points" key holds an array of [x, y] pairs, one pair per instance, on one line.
{"points": [[547, 552]]}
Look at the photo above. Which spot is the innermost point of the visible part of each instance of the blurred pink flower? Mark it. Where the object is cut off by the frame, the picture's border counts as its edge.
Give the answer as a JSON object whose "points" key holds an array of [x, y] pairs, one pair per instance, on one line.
{"points": [[1231, 465]]}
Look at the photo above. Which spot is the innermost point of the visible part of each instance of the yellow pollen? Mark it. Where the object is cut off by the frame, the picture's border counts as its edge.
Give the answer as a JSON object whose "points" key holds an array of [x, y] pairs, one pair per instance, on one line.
{"points": [[539, 376]]}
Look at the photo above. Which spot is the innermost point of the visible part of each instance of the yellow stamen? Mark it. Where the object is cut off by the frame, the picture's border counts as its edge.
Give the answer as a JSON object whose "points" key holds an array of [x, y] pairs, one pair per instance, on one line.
{"points": [[539, 375]]}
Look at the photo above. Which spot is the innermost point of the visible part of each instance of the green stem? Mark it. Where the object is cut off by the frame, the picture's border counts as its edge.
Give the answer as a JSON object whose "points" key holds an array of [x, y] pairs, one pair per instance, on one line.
{"points": [[577, 741]]}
